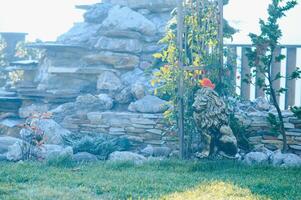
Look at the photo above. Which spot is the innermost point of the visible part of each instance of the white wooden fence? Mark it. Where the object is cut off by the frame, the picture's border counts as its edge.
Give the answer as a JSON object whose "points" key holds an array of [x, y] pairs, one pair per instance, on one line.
{"points": [[248, 92]]}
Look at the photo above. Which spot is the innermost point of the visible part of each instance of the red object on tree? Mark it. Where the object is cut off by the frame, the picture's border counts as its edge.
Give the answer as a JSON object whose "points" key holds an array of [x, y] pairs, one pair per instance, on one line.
{"points": [[206, 82]]}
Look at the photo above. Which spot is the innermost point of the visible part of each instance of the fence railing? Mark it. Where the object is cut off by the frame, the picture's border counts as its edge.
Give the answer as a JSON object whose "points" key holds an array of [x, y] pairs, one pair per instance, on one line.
{"points": [[238, 60]]}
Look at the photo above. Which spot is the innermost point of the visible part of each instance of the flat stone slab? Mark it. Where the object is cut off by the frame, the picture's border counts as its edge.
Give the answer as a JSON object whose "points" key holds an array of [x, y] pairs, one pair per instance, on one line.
{"points": [[75, 70], [10, 104], [84, 7], [24, 63], [53, 45], [4, 93]]}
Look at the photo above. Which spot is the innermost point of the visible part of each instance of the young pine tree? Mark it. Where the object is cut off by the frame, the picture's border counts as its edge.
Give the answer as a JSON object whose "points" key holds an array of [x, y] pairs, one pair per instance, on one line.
{"points": [[262, 56]]}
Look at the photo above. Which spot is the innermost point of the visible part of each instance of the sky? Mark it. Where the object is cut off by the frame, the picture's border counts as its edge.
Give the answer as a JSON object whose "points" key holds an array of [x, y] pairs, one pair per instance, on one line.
{"points": [[47, 19]]}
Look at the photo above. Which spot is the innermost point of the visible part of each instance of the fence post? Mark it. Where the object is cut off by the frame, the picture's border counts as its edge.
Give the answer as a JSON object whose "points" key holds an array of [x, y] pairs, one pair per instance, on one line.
{"points": [[180, 21], [245, 69], [291, 63], [232, 64], [258, 90], [276, 69], [221, 38]]}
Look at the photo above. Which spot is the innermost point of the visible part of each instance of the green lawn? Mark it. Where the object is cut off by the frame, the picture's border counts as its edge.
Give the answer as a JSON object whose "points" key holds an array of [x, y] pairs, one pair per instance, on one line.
{"points": [[210, 180]]}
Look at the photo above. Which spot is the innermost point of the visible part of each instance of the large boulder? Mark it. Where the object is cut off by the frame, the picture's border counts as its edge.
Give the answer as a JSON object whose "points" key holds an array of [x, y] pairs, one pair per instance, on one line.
{"points": [[149, 104], [15, 152], [124, 96], [10, 127], [125, 19], [84, 157], [156, 151], [53, 132], [152, 5], [83, 105], [122, 45], [285, 160], [91, 103], [97, 13], [48, 152], [126, 156], [256, 158], [138, 90], [108, 81], [6, 142]]}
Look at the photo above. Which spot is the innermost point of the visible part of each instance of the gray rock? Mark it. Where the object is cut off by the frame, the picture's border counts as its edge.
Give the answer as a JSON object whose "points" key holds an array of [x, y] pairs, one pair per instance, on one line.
{"points": [[156, 151], [15, 152], [285, 160], [53, 132], [27, 111], [85, 34], [97, 13], [161, 20], [122, 45], [125, 19], [139, 77], [84, 157], [9, 127], [256, 158], [126, 156], [84, 104], [118, 60], [109, 81], [138, 90], [86, 99], [106, 101], [6, 142], [93, 103], [263, 149], [262, 104], [49, 152], [95, 117], [149, 104], [152, 5], [124, 96]]}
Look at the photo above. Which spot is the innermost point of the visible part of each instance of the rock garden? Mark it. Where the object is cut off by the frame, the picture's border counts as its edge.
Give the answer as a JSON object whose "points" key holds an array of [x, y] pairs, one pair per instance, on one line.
{"points": [[131, 96]]}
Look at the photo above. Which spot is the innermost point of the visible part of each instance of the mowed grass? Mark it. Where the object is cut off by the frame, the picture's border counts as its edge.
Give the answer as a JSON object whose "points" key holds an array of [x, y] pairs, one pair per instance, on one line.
{"points": [[208, 180]]}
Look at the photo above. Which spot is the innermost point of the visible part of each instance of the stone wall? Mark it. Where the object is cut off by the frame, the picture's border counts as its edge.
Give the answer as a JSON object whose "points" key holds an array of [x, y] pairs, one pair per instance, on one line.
{"points": [[92, 78], [116, 37], [253, 116], [140, 129]]}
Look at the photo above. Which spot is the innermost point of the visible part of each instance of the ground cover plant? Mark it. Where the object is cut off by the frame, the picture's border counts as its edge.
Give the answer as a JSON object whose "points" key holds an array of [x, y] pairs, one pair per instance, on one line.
{"points": [[156, 180]]}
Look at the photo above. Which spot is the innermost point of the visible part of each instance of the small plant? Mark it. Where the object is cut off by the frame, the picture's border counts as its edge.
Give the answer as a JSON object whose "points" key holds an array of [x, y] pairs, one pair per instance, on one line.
{"points": [[275, 124], [33, 137], [297, 111]]}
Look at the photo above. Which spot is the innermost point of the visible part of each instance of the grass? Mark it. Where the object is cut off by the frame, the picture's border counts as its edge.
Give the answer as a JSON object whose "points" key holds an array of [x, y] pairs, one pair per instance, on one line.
{"points": [[212, 180]]}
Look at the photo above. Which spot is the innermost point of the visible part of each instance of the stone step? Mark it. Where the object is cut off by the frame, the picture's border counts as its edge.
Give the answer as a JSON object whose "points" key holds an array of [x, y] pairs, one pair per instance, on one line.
{"points": [[10, 104]]}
